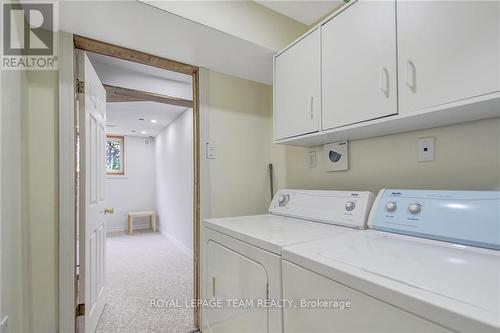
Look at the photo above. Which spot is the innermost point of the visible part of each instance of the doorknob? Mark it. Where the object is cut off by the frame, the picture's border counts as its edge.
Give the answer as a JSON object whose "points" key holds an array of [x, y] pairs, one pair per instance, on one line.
{"points": [[108, 211]]}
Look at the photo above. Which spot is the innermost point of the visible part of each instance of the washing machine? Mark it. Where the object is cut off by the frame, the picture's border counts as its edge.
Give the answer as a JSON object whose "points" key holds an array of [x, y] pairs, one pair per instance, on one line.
{"points": [[429, 262], [241, 256]]}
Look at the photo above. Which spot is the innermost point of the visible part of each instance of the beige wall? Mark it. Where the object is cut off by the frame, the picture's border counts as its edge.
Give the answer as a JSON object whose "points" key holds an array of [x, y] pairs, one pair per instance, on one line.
{"points": [[467, 158], [41, 146], [240, 128], [13, 222]]}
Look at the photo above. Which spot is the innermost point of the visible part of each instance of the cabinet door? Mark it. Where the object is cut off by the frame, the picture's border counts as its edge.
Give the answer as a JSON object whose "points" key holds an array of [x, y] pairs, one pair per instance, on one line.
{"points": [[297, 102], [448, 51], [359, 64]]}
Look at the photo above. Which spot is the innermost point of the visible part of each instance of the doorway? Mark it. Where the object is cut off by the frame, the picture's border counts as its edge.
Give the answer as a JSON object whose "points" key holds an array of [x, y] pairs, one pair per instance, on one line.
{"points": [[142, 118]]}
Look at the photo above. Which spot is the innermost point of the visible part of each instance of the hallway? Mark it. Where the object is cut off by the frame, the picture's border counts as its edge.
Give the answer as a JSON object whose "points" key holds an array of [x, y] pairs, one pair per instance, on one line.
{"points": [[140, 268]]}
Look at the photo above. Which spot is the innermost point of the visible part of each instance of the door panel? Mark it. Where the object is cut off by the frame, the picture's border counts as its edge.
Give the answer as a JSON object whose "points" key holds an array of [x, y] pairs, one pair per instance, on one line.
{"points": [[366, 314], [232, 276], [92, 230], [448, 51], [297, 99], [359, 64]]}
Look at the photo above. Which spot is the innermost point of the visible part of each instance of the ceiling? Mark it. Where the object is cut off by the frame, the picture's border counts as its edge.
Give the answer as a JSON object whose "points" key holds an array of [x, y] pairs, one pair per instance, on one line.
{"points": [[123, 118], [129, 66], [141, 27], [306, 12]]}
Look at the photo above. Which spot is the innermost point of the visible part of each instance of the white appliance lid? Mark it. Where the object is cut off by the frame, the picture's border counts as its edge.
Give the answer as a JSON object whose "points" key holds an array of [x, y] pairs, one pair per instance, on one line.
{"points": [[454, 277], [271, 232]]}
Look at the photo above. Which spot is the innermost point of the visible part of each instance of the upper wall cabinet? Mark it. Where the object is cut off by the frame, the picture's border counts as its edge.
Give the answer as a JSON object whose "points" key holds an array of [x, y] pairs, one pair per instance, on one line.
{"points": [[359, 78], [297, 88], [448, 51], [383, 67]]}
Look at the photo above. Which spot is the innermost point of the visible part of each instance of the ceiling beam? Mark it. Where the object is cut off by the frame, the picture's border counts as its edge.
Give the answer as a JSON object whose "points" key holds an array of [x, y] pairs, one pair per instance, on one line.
{"points": [[92, 45], [120, 94]]}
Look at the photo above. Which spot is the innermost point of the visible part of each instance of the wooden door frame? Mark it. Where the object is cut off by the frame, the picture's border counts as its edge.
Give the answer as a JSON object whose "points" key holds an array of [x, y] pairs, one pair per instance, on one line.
{"points": [[67, 162]]}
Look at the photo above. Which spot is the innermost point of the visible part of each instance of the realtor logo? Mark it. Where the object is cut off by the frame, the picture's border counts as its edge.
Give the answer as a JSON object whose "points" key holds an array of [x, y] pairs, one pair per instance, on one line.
{"points": [[28, 36]]}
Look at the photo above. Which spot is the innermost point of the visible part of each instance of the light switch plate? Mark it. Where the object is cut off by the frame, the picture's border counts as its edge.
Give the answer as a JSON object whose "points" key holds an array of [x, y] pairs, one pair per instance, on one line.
{"points": [[211, 151], [425, 149], [312, 159], [336, 156]]}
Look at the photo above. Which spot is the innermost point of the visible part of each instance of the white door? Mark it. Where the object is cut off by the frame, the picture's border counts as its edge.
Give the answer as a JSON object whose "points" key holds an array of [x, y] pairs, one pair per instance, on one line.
{"points": [[448, 51], [297, 103], [92, 231], [359, 64]]}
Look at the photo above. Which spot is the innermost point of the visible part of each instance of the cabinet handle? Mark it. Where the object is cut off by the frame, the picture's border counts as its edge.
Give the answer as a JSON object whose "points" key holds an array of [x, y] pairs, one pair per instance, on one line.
{"points": [[411, 76], [213, 285], [311, 109], [384, 81]]}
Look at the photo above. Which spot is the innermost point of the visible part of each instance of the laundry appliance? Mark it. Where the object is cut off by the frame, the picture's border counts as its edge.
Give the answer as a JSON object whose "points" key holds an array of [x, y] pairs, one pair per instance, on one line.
{"points": [[241, 263], [429, 262]]}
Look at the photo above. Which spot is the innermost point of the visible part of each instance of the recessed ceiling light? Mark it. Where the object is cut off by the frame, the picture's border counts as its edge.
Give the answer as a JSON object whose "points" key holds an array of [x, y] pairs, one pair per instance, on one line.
{"points": [[144, 132], [154, 120]]}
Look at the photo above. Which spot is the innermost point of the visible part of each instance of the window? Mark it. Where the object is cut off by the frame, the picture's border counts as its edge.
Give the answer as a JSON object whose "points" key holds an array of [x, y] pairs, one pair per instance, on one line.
{"points": [[115, 151]]}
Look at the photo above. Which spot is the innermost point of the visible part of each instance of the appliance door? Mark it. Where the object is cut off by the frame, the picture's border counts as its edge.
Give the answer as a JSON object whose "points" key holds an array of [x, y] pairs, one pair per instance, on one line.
{"points": [[237, 280], [321, 305]]}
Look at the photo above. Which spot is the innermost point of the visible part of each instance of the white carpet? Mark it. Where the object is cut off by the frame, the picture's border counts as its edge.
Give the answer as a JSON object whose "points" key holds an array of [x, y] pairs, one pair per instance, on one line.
{"points": [[142, 267]]}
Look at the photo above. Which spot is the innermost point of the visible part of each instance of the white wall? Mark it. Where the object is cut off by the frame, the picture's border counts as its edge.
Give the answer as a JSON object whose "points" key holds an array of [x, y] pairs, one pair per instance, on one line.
{"points": [[174, 174], [135, 191]]}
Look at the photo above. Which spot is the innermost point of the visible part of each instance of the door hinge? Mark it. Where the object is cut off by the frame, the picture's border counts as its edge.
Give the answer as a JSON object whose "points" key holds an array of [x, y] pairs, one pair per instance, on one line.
{"points": [[80, 87], [80, 310]]}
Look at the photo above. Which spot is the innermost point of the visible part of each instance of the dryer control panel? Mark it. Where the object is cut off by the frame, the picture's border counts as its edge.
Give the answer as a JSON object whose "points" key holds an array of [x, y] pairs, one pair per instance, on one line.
{"points": [[464, 217], [333, 207]]}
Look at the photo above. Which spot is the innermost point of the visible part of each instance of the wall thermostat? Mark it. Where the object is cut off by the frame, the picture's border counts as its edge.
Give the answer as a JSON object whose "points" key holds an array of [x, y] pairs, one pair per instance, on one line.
{"points": [[336, 156]]}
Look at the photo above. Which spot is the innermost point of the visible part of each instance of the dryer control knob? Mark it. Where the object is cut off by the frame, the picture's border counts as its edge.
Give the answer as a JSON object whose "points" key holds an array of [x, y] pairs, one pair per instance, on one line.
{"points": [[391, 206], [283, 199], [414, 208], [350, 205]]}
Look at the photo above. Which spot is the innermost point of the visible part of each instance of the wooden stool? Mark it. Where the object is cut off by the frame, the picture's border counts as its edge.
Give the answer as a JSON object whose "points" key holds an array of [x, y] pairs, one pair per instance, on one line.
{"points": [[152, 220]]}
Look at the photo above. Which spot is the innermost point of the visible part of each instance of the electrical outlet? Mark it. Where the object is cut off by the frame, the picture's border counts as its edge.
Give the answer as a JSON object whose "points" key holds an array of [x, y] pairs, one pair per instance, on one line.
{"points": [[425, 149], [312, 159]]}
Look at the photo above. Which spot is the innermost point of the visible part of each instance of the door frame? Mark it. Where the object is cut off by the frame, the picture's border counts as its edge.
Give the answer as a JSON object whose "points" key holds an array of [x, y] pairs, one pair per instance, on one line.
{"points": [[68, 43]]}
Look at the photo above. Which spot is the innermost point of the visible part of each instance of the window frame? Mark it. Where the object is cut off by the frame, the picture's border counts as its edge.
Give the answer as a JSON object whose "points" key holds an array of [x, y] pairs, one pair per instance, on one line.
{"points": [[121, 139]]}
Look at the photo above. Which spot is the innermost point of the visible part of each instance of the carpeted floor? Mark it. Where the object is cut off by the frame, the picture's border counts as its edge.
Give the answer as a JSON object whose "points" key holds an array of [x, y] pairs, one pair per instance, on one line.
{"points": [[140, 268]]}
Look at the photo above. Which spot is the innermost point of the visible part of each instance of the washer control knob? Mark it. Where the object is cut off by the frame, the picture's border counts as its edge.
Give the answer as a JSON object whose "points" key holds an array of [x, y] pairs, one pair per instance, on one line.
{"points": [[391, 206], [414, 208], [350, 205], [283, 199]]}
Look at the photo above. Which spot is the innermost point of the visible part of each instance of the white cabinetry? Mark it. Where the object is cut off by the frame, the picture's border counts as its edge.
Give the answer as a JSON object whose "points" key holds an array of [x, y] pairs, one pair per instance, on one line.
{"points": [[448, 51], [382, 67], [297, 88], [358, 58]]}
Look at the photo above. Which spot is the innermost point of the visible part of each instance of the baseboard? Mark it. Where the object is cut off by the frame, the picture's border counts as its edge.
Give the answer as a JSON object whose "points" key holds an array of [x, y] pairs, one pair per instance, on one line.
{"points": [[178, 244]]}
